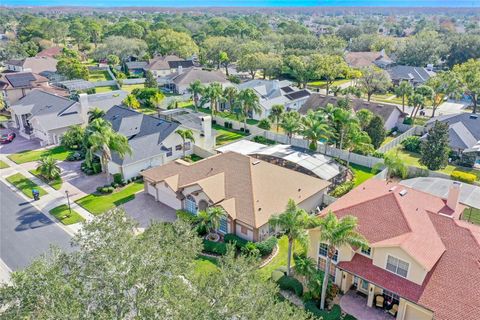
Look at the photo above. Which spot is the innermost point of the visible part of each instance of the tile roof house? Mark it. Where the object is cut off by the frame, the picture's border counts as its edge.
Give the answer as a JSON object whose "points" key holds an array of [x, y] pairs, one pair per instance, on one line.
{"points": [[273, 92], [390, 113], [415, 75], [50, 52], [162, 66], [40, 65], [179, 81], [248, 189], [366, 59], [421, 255]]}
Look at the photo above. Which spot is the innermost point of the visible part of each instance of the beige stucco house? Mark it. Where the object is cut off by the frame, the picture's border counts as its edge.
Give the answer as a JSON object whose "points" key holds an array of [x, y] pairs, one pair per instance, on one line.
{"points": [[421, 255], [250, 190]]}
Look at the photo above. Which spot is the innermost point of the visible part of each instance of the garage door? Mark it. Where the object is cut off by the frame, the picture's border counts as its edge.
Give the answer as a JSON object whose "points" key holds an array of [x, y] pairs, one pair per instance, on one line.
{"points": [[151, 190]]}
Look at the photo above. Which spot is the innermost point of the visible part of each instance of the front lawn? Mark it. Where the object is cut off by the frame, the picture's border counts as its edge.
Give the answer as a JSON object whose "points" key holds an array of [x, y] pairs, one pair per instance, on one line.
{"points": [[225, 136], [130, 87], [59, 153], [64, 216], [361, 173], [25, 185], [3, 165], [205, 265], [280, 259], [472, 215], [100, 75], [97, 203], [55, 184]]}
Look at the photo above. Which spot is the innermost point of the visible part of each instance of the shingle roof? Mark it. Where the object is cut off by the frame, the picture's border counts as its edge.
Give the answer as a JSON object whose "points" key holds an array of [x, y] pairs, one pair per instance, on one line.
{"points": [[260, 189], [192, 74], [145, 133], [106, 100], [136, 64], [365, 59], [464, 131], [168, 62], [415, 74], [36, 64], [50, 52]]}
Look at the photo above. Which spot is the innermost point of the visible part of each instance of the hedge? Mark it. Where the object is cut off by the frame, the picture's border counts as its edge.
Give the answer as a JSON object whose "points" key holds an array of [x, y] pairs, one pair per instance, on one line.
{"points": [[187, 216], [463, 176], [266, 247], [291, 284], [233, 238], [334, 314], [214, 247], [343, 189], [412, 144]]}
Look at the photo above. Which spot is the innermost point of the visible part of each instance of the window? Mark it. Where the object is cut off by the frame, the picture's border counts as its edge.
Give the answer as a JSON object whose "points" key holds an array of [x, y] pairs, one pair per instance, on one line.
{"points": [[169, 152], [367, 251], [243, 230], [321, 266], [187, 145], [323, 251], [190, 204], [178, 147], [223, 225], [391, 295], [397, 266]]}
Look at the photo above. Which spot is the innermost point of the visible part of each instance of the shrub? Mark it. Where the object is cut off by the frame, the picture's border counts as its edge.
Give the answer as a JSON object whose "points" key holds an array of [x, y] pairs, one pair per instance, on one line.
{"points": [[412, 144], [187, 216], [117, 178], [75, 156], [377, 154], [263, 140], [96, 167], [342, 189], [334, 314], [264, 124], [250, 249], [234, 79], [291, 284], [463, 176], [408, 121], [266, 247], [247, 131], [219, 248], [236, 240], [276, 275]]}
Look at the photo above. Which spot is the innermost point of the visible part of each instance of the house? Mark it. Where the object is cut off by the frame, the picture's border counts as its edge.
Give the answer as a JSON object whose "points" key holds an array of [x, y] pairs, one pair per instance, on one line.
{"points": [[163, 66], [51, 52], [248, 189], [463, 132], [40, 65], [106, 100], [135, 68], [16, 85], [179, 81], [391, 114], [274, 92], [421, 255], [415, 75], [154, 141], [46, 116], [367, 59]]}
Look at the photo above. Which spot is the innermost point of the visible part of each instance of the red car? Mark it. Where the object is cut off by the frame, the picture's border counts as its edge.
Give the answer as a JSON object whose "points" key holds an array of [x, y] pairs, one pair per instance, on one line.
{"points": [[7, 138]]}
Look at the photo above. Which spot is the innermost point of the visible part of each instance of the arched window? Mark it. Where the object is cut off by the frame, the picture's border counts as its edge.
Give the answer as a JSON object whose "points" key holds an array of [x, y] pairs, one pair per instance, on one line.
{"points": [[190, 204]]}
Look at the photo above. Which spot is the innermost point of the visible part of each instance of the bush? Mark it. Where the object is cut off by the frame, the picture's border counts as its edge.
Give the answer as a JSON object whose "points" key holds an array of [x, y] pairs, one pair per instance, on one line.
{"points": [[236, 240], [263, 140], [408, 121], [75, 156], [250, 249], [412, 144], [266, 247], [342, 189], [219, 248], [463, 176], [313, 307], [377, 154], [117, 178], [264, 124], [277, 274], [96, 167], [187, 216], [291, 284]]}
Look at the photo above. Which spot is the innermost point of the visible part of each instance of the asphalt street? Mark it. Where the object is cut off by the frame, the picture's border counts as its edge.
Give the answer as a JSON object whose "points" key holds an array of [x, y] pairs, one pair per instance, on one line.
{"points": [[25, 232]]}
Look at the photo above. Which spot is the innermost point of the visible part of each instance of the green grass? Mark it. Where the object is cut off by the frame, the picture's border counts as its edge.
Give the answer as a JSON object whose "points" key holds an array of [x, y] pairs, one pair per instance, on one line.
{"points": [[130, 87], [4, 118], [58, 153], [192, 158], [100, 75], [361, 173], [472, 215], [3, 165], [225, 136], [205, 265], [64, 216], [280, 259], [99, 203], [387, 140], [25, 185], [105, 89], [55, 184], [147, 110], [323, 83]]}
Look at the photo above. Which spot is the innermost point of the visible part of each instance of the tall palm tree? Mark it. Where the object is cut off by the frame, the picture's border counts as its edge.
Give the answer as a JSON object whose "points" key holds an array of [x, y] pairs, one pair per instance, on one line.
{"points": [[95, 113], [314, 128], [213, 94], [394, 165], [230, 94], [210, 218], [419, 98], [343, 121], [196, 89], [403, 90], [290, 124], [337, 233], [358, 140], [185, 134], [293, 223], [131, 102], [276, 114], [249, 104], [156, 100], [47, 167]]}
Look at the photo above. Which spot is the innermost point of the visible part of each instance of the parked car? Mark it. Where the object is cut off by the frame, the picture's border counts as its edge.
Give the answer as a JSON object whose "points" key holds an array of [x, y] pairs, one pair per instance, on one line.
{"points": [[7, 138]]}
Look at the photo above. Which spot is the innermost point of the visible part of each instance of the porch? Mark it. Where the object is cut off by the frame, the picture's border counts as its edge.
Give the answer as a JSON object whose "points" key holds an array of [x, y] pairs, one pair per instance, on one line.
{"points": [[355, 303]]}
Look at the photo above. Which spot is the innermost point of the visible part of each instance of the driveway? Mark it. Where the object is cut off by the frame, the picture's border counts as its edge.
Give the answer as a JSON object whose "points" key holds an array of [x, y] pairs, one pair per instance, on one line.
{"points": [[19, 144], [452, 107], [78, 183], [144, 209]]}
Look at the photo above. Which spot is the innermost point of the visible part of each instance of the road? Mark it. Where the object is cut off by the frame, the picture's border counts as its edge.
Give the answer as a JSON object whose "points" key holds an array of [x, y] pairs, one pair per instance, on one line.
{"points": [[25, 232]]}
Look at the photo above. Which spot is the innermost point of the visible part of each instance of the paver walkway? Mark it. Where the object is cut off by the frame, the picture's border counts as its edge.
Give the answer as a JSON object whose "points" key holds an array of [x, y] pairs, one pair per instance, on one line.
{"points": [[356, 305]]}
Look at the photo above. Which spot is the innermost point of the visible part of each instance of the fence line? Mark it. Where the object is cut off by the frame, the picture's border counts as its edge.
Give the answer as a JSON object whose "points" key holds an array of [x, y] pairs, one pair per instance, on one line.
{"points": [[133, 81], [413, 131]]}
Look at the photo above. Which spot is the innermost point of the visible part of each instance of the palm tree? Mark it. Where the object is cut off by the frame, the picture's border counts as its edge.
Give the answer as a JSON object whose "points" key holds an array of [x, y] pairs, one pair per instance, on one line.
{"points": [[305, 267], [358, 140], [230, 94], [421, 95], [47, 168], [394, 165], [337, 233], [343, 121], [156, 100], [185, 134], [131, 102], [276, 114], [290, 124], [249, 104], [196, 89], [210, 218], [213, 94], [293, 223], [314, 128], [173, 103], [95, 113], [403, 90]]}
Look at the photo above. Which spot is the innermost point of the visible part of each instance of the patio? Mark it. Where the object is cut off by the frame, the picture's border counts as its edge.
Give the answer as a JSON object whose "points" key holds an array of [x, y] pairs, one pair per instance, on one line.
{"points": [[356, 305]]}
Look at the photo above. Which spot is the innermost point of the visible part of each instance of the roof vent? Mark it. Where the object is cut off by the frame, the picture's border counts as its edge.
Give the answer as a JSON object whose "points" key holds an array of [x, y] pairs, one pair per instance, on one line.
{"points": [[392, 188], [255, 162], [403, 192]]}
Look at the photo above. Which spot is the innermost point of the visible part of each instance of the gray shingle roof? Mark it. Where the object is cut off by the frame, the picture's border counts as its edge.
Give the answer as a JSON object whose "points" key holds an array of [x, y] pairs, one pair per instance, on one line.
{"points": [[464, 131], [145, 133], [192, 74], [106, 100], [415, 74], [136, 64]]}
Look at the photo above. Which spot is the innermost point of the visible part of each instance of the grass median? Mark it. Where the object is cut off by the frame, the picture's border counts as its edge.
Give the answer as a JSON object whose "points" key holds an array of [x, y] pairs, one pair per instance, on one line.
{"points": [[55, 184], [25, 185], [3, 165], [64, 216]]}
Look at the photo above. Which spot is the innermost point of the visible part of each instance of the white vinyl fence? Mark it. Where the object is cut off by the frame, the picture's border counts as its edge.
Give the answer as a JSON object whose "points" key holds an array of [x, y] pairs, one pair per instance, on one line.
{"points": [[413, 131]]}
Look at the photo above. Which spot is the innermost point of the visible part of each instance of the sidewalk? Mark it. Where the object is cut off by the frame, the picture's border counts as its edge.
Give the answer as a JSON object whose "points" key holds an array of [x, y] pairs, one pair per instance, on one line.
{"points": [[4, 272]]}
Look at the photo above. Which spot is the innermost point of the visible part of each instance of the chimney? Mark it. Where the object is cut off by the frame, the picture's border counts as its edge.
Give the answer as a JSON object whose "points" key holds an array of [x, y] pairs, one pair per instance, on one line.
{"points": [[454, 195], [180, 70], [276, 85], [207, 132], [83, 100]]}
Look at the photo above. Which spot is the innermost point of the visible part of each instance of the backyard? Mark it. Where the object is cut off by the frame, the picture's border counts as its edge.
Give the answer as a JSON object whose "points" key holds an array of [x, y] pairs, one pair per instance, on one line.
{"points": [[130, 87], [97, 203], [105, 89], [99, 75], [55, 184], [59, 153], [62, 213], [25, 185], [472, 215], [225, 136], [361, 173]]}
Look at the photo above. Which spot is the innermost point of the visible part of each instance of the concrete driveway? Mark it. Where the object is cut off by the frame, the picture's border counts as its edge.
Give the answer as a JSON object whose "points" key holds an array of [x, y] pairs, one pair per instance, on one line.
{"points": [[144, 209], [78, 183], [19, 144]]}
